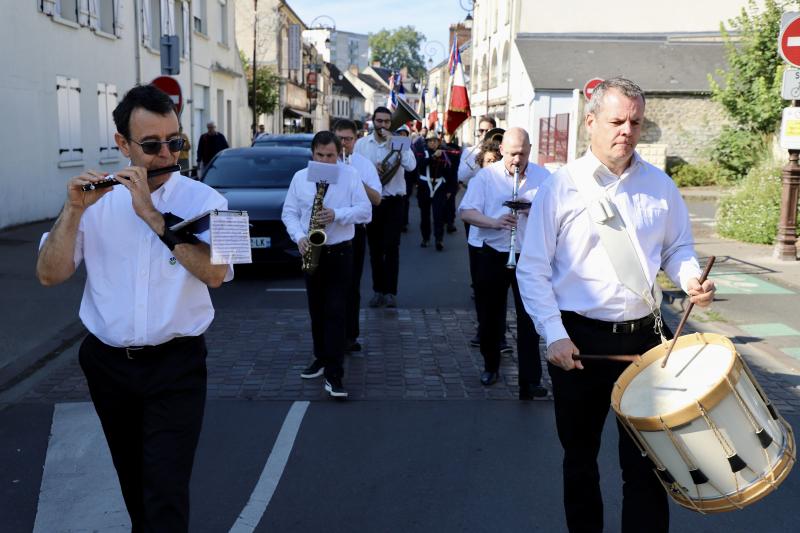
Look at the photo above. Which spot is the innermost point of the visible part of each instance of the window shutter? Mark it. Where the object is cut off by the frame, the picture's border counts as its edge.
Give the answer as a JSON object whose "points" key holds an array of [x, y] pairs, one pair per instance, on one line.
{"points": [[168, 17], [48, 7], [102, 120], [94, 14], [117, 19], [111, 128], [146, 21], [83, 12], [74, 99], [62, 95], [186, 19]]}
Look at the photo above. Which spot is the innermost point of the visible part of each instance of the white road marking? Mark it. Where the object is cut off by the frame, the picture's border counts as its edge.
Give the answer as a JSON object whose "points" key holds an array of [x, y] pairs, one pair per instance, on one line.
{"points": [[286, 290], [276, 462], [80, 490]]}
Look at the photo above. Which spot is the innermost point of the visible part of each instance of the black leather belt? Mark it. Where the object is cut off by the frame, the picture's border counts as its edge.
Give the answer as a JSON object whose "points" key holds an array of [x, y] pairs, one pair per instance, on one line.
{"points": [[627, 326], [136, 352]]}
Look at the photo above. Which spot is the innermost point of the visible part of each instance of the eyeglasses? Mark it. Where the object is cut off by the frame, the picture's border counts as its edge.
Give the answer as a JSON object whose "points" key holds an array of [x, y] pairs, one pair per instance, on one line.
{"points": [[346, 139], [154, 147], [481, 131]]}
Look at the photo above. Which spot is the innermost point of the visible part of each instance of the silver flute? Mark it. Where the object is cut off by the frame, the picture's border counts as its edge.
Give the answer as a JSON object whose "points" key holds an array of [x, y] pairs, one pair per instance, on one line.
{"points": [[512, 249]]}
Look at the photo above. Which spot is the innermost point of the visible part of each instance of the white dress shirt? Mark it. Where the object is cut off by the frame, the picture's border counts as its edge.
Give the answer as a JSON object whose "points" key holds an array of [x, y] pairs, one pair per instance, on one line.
{"points": [[374, 151], [136, 292], [564, 265], [486, 193], [468, 167], [366, 171], [347, 198]]}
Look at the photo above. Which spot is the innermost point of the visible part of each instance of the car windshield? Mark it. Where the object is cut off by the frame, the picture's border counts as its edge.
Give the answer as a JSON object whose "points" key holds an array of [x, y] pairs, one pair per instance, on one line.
{"points": [[268, 171], [306, 143]]}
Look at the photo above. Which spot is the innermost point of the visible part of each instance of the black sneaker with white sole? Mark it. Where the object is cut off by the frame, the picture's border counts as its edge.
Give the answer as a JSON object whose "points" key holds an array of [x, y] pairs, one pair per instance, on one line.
{"points": [[314, 370], [335, 388]]}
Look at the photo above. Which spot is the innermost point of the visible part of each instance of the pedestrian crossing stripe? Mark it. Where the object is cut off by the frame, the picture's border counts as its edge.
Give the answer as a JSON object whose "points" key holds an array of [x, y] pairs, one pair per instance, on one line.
{"points": [[774, 329], [736, 283]]}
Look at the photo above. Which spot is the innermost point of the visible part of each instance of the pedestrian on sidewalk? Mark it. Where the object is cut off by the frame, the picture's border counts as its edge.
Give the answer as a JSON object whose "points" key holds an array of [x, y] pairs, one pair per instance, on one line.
{"points": [[210, 144], [345, 204], [571, 288], [482, 207], [146, 306]]}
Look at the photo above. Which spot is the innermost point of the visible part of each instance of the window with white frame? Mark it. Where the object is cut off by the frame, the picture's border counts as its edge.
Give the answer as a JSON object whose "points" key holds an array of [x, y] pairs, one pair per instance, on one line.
{"points": [[200, 24], [179, 29], [155, 24], [223, 22], [68, 93], [106, 103], [106, 15], [67, 9]]}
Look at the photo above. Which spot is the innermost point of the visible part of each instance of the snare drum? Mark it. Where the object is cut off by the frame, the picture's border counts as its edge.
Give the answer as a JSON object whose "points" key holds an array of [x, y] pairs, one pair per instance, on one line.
{"points": [[715, 439]]}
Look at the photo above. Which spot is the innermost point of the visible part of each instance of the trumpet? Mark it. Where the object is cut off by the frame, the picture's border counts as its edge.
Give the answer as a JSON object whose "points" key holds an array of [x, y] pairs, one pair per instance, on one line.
{"points": [[512, 249]]}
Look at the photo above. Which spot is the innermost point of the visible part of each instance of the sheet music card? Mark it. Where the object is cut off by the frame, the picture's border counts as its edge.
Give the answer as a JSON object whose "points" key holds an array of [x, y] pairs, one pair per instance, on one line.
{"points": [[327, 172], [230, 237], [401, 143]]}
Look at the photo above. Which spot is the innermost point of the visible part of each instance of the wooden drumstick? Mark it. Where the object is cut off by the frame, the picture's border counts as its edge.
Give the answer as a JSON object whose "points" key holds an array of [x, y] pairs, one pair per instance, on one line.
{"points": [[603, 357], [686, 313]]}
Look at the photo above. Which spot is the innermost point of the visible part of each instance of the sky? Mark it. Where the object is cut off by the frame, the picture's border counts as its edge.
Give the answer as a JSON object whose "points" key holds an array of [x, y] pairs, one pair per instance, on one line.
{"points": [[431, 17]]}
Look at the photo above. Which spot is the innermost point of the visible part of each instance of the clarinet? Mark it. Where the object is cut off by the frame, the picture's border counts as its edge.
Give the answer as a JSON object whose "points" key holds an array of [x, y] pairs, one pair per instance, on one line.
{"points": [[512, 249]]}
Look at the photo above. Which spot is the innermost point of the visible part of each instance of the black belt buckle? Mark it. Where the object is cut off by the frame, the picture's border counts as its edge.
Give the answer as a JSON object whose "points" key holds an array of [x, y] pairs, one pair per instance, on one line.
{"points": [[129, 349], [622, 327]]}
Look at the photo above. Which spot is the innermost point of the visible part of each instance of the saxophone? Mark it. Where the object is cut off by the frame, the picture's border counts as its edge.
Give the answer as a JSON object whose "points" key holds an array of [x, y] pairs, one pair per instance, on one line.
{"points": [[316, 234]]}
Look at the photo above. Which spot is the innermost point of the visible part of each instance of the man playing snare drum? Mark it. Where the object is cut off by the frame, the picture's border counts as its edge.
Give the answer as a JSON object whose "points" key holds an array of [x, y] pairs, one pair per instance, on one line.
{"points": [[577, 293]]}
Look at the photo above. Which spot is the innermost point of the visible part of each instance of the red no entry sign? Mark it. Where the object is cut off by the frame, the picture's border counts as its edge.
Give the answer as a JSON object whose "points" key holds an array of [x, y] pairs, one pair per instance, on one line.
{"points": [[789, 41], [588, 89], [170, 86]]}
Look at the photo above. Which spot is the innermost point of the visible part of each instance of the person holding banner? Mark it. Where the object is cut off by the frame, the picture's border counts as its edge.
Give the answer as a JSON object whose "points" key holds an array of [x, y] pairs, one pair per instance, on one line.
{"points": [[383, 233], [436, 185], [146, 305], [344, 204], [588, 223]]}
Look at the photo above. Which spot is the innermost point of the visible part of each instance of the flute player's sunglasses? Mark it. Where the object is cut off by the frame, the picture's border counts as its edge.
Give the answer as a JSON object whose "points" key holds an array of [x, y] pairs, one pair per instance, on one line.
{"points": [[153, 147]]}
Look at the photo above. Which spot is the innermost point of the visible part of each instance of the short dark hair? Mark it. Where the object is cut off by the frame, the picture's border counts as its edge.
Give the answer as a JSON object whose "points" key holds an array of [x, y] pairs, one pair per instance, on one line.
{"points": [[324, 138], [488, 147], [488, 119], [381, 109], [345, 124], [147, 97]]}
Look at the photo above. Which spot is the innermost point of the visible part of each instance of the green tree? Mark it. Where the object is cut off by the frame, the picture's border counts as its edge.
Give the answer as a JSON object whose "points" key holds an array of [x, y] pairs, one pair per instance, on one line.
{"points": [[267, 86], [750, 88], [399, 48]]}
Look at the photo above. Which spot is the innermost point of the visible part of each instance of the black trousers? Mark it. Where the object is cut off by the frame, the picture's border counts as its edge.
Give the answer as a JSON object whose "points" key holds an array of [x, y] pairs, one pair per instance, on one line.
{"points": [[428, 203], [327, 290], [411, 180], [450, 210], [151, 409], [492, 280], [383, 237], [582, 399], [354, 296]]}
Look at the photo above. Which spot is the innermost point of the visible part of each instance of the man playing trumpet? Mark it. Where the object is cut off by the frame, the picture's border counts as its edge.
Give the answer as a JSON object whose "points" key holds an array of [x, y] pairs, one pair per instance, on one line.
{"points": [[345, 204], [490, 233], [383, 233]]}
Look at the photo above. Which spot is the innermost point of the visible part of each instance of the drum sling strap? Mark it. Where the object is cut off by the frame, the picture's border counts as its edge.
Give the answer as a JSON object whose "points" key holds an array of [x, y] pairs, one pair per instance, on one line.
{"points": [[617, 242]]}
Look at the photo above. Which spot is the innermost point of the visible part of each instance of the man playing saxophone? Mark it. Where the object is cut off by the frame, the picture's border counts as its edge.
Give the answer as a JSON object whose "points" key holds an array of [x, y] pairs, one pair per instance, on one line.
{"points": [[383, 233], [491, 224], [338, 207]]}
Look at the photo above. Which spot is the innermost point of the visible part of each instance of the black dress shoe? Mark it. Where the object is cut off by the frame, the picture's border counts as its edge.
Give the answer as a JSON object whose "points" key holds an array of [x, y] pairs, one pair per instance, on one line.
{"points": [[423, 244], [353, 346], [439, 246], [506, 348], [451, 228], [529, 391], [489, 378], [475, 341]]}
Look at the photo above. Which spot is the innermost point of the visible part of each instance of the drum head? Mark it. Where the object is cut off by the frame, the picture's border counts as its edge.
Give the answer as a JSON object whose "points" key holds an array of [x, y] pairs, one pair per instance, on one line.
{"points": [[692, 371]]}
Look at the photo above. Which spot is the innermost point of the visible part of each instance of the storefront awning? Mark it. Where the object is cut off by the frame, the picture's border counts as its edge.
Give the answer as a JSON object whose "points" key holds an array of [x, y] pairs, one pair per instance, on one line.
{"points": [[295, 113]]}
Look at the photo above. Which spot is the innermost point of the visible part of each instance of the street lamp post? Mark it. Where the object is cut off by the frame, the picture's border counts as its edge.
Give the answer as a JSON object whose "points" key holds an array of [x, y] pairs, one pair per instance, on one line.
{"points": [[255, 107]]}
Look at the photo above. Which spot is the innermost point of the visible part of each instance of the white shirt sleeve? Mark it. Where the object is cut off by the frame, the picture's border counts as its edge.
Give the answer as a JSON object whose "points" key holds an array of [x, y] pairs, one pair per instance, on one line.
{"points": [[360, 209], [475, 197], [678, 257], [408, 160], [369, 175], [467, 168], [534, 268], [290, 216]]}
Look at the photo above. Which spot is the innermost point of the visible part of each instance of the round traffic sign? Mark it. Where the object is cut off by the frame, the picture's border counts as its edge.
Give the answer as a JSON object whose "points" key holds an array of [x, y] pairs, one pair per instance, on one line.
{"points": [[588, 89], [170, 86], [789, 42]]}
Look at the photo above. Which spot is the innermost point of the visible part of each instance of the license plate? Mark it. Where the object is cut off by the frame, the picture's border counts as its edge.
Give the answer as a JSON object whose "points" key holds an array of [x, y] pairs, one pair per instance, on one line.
{"points": [[260, 242]]}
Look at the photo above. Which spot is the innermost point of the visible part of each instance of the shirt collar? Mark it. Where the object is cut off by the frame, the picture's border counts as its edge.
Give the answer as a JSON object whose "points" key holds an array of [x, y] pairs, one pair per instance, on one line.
{"points": [[374, 140], [602, 172], [169, 186]]}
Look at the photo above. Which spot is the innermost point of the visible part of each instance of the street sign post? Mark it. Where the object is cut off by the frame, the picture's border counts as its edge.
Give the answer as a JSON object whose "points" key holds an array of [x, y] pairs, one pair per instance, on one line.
{"points": [[588, 89], [172, 88], [789, 48]]}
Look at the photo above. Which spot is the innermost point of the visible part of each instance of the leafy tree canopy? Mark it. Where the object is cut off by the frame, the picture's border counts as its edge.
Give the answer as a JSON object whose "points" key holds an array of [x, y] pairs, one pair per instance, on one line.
{"points": [[399, 48], [267, 86]]}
